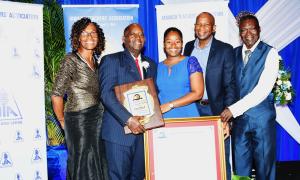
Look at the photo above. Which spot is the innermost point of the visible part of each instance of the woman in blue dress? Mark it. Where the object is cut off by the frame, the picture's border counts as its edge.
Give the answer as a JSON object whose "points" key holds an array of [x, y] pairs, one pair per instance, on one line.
{"points": [[179, 79]]}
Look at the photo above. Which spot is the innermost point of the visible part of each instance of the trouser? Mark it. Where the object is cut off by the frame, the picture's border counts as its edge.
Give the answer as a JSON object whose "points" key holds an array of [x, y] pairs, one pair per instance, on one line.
{"points": [[254, 140]]}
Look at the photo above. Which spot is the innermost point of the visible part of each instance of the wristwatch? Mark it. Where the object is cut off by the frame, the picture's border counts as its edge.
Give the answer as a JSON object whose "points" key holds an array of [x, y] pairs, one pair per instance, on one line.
{"points": [[171, 105]]}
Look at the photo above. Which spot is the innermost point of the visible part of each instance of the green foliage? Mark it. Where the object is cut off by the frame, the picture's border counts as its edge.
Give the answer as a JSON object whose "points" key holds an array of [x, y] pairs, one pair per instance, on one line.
{"points": [[54, 51], [54, 132], [54, 46], [236, 177]]}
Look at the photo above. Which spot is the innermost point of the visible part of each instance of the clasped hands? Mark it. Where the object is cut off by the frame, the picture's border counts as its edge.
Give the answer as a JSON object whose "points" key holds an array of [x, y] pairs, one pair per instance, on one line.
{"points": [[134, 124]]}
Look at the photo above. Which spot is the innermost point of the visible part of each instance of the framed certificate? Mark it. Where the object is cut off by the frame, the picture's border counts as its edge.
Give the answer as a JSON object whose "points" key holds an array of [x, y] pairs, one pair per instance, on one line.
{"points": [[191, 148], [140, 99]]}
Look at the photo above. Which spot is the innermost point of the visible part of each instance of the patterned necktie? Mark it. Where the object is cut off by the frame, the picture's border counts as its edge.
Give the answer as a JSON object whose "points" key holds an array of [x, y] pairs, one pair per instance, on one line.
{"points": [[138, 67], [247, 55]]}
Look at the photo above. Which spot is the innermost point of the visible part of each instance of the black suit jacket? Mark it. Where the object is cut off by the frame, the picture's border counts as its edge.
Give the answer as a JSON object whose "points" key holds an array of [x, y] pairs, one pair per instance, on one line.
{"points": [[219, 77]]}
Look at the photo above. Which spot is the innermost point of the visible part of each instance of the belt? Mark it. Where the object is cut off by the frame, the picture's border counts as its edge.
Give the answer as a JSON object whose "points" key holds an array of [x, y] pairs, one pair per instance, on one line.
{"points": [[204, 102]]}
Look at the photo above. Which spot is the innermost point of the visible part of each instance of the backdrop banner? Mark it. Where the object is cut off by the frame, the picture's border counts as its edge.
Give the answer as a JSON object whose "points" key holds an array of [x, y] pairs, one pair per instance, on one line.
{"points": [[169, 16], [111, 18], [22, 106], [227, 31]]}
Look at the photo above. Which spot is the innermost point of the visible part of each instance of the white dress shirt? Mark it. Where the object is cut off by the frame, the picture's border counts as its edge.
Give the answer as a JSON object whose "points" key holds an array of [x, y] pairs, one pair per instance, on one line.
{"points": [[264, 86]]}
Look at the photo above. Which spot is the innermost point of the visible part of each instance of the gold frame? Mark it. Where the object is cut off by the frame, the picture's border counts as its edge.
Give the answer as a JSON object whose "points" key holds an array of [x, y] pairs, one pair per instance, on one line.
{"points": [[214, 120]]}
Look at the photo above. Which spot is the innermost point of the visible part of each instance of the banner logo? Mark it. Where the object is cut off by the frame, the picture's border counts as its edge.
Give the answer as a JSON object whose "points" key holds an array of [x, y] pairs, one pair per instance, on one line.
{"points": [[37, 135], [9, 110], [5, 160], [18, 177], [36, 157], [37, 175], [19, 136]]}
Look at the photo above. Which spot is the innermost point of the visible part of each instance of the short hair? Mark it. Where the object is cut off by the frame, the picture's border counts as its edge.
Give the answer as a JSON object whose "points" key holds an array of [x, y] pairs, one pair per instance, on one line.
{"points": [[209, 14], [246, 15], [77, 29], [127, 28], [173, 29]]}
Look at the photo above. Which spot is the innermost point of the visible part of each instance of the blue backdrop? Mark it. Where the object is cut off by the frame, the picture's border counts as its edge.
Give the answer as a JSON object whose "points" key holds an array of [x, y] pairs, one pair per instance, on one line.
{"points": [[287, 147]]}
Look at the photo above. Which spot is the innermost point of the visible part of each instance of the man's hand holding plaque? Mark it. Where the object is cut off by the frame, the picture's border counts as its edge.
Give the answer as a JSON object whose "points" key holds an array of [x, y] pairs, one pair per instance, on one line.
{"points": [[134, 125], [140, 99]]}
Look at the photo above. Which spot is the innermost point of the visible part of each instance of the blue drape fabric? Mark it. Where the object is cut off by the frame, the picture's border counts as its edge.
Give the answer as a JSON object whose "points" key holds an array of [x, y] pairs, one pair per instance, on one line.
{"points": [[287, 147]]}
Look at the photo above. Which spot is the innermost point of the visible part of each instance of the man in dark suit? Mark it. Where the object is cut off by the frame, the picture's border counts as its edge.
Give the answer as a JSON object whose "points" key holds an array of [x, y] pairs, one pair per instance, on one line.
{"points": [[124, 153], [254, 129], [217, 61]]}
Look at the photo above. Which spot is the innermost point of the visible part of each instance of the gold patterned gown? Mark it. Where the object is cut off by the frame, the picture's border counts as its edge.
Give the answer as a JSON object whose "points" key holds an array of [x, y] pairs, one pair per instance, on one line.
{"points": [[83, 116]]}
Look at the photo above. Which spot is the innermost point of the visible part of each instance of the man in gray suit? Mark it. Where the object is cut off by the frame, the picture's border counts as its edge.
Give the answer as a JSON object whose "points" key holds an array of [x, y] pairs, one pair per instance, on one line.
{"points": [[124, 153]]}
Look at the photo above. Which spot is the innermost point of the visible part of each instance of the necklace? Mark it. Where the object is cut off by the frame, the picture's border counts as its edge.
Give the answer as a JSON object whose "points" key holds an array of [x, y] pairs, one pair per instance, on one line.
{"points": [[85, 62]]}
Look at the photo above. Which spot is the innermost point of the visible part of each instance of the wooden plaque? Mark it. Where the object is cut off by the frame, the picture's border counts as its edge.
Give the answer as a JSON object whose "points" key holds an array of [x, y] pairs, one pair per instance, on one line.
{"points": [[140, 99]]}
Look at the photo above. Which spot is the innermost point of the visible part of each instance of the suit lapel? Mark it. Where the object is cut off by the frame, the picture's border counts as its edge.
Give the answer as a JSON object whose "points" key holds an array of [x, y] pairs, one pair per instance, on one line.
{"points": [[240, 58], [256, 55], [190, 48], [211, 55], [130, 65], [240, 65], [145, 71]]}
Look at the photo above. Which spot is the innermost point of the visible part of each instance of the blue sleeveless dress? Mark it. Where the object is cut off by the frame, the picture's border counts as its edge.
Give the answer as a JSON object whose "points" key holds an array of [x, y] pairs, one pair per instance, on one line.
{"points": [[177, 84]]}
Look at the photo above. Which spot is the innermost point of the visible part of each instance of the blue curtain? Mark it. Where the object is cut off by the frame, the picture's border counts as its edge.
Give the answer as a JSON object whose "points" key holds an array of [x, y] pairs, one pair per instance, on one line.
{"points": [[287, 147]]}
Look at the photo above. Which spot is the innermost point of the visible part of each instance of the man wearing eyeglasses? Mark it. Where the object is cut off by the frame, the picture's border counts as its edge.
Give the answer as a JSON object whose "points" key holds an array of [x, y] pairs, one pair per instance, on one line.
{"points": [[217, 61]]}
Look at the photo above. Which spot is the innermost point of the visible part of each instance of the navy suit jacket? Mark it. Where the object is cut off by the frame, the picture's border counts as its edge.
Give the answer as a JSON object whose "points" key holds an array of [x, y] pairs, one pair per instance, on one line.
{"points": [[116, 69], [220, 74]]}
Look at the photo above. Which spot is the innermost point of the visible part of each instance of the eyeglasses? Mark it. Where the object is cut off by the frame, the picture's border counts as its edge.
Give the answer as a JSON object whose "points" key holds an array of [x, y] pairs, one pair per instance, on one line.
{"points": [[93, 34]]}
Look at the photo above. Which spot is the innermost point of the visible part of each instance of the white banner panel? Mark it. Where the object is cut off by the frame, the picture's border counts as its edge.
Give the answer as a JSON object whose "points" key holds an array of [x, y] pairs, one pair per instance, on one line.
{"points": [[22, 109], [112, 19], [183, 16]]}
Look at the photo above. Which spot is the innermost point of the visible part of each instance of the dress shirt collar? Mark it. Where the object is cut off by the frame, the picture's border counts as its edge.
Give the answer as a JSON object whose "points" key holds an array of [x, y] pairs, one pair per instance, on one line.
{"points": [[196, 44], [139, 57], [251, 49]]}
